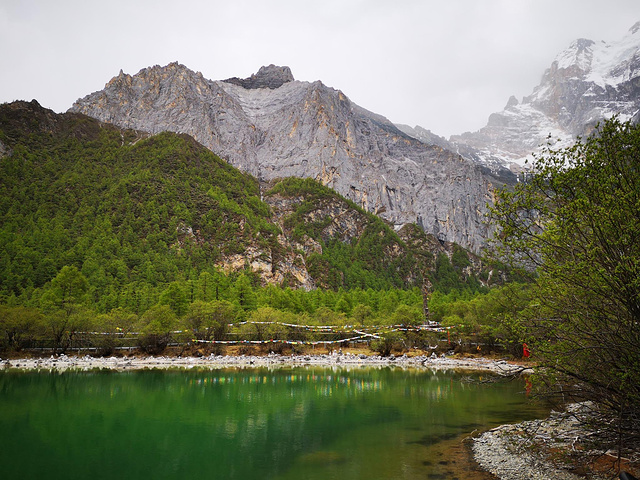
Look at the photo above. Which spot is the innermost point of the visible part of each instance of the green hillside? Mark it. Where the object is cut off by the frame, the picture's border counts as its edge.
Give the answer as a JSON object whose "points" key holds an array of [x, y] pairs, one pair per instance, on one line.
{"points": [[128, 210], [139, 216], [357, 249]]}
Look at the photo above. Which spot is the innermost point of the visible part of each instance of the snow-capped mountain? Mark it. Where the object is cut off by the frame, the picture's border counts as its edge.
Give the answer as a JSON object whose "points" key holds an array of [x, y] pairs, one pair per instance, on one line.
{"points": [[272, 126], [586, 83]]}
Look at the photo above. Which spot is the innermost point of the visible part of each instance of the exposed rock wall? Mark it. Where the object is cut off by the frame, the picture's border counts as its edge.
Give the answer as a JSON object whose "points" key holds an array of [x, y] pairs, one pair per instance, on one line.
{"points": [[273, 126]]}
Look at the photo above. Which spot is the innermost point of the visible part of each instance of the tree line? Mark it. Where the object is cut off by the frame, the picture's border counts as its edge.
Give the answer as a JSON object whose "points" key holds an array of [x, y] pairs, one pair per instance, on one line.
{"points": [[203, 308], [64, 315]]}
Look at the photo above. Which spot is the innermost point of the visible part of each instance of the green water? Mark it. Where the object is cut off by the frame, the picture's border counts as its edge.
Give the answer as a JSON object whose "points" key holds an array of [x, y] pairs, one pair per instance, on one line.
{"points": [[300, 423]]}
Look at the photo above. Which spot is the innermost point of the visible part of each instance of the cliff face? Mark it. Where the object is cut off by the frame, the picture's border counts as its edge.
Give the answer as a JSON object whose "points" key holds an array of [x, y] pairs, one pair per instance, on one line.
{"points": [[273, 126]]}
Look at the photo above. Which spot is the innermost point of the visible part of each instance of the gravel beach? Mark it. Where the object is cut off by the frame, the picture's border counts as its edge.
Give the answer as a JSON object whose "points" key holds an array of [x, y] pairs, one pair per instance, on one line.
{"points": [[64, 362], [530, 450]]}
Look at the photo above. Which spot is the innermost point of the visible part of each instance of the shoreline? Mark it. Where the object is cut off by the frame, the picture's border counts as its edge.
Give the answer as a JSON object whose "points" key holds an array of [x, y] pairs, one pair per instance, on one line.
{"points": [[551, 448], [128, 363]]}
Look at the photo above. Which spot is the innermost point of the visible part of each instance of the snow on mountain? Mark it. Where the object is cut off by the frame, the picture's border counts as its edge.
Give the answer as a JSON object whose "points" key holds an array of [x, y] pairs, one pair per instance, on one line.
{"points": [[585, 84], [614, 64]]}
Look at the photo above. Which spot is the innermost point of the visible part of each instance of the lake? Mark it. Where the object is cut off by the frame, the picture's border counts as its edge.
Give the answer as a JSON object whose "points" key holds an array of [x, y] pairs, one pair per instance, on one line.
{"points": [[287, 423]]}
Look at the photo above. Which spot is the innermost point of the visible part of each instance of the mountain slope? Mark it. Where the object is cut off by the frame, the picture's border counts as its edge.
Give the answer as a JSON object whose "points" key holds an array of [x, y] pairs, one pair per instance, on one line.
{"points": [[273, 126], [135, 212]]}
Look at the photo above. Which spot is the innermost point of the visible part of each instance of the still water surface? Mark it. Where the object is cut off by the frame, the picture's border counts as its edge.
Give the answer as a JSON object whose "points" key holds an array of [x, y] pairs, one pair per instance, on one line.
{"points": [[298, 423]]}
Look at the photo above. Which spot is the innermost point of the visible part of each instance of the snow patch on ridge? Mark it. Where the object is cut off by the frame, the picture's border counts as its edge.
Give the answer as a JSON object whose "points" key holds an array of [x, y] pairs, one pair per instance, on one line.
{"points": [[603, 63], [265, 102]]}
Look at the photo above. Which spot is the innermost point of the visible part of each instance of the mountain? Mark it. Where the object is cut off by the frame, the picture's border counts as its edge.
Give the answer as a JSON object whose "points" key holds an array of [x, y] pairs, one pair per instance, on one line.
{"points": [[585, 84], [272, 126], [135, 211]]}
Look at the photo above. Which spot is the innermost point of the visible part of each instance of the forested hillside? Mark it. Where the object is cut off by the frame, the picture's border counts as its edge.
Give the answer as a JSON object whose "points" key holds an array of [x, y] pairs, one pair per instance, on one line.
{"points": [[131, 212], [108, 219]]}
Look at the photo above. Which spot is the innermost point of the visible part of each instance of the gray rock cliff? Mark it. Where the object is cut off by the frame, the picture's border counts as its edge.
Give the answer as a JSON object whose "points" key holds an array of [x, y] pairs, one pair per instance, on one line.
{"points": [[272, 126], [267, 77]]}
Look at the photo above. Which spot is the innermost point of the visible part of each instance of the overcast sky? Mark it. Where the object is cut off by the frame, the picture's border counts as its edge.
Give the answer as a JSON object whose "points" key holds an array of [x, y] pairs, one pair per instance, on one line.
{"points": [[445, 65]]}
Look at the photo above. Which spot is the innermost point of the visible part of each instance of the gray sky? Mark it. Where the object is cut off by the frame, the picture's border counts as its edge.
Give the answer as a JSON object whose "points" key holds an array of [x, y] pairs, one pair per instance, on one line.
{"points": [[445, 65]]}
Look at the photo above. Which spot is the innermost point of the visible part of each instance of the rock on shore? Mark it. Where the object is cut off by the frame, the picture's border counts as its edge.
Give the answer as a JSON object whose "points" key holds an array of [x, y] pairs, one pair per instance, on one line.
{"points": [[64, 362], [522, 451]]}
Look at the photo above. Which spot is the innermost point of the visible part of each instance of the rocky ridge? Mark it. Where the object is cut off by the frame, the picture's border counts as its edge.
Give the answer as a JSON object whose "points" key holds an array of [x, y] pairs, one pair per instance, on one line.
{"points": [[272, 126], [332, 218], [289, 265], [267, 77]]}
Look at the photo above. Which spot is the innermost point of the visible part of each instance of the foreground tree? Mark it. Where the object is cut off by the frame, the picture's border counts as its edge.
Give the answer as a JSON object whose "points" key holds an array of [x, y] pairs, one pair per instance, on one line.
{"points": [[210, 320], [576, 223]]}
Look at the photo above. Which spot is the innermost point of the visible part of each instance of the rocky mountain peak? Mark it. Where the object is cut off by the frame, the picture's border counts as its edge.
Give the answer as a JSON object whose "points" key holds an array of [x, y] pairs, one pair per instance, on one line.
{"points": [[581, 44], [274, 127], [270, 76], [158, 78], [586, 83], [512, 102], [577, 58]]}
